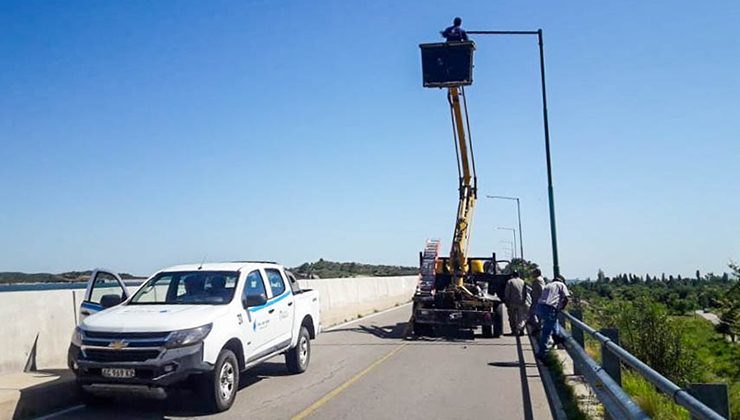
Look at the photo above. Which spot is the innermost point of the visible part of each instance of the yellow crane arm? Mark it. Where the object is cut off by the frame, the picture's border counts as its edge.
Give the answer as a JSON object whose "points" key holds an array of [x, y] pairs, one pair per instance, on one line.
{"points": [[468, 192]]}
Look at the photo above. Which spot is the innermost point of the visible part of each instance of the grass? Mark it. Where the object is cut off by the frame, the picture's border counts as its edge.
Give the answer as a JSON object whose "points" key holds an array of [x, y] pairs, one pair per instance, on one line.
{"points": [[716, 359], [565, 392], [655, 404]]}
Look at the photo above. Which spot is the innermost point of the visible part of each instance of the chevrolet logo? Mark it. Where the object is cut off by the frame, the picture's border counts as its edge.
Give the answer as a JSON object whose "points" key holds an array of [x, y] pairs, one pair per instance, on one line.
{"points": [[118, 345]]}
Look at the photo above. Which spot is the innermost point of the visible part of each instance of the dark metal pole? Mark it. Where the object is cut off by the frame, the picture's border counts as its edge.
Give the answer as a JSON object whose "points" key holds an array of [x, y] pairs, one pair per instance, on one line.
{"points": [[551, 195], [519, 216]]}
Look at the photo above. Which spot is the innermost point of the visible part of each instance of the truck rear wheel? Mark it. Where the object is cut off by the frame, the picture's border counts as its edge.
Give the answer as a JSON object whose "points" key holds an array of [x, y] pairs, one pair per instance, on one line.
{"points": [[498, 321], [298, 357], [423, 330], [487, 331], [219, 389]]}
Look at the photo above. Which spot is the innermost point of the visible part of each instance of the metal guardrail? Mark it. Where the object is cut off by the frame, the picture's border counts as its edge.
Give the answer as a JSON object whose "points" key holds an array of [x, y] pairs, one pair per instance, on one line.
{"points": [[616, 402]]}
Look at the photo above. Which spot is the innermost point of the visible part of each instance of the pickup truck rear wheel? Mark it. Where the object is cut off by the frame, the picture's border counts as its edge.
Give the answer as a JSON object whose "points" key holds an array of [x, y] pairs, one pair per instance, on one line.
{"points": [[298, 357], [219, 389]]}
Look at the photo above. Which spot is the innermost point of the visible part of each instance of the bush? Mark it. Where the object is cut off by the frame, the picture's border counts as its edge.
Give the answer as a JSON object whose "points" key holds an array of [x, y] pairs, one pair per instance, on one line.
{"points": [[655, 404], [646, 331]]}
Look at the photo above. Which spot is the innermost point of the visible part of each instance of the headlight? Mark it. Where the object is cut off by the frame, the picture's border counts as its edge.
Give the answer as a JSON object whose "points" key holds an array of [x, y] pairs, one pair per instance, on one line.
{"points": [[77, 337], [187, 337]]}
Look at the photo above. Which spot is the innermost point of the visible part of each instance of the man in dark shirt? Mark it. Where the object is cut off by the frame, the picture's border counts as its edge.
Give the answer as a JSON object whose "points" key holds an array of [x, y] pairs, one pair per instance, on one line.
{"points": [[455, 33]]}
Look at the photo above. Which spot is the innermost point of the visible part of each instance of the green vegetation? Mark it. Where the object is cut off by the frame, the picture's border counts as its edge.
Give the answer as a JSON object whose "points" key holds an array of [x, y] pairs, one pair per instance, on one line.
{"points": [[566, 394], [329, 269], [646, 331], [70, 276], [656, 323], [730, 308], [525, 268], [655, 404], [678, 294]]}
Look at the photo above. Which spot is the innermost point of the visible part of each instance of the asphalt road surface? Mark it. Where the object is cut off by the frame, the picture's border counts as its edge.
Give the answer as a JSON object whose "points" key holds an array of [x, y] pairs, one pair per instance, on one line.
{"points": [[366, 370]]}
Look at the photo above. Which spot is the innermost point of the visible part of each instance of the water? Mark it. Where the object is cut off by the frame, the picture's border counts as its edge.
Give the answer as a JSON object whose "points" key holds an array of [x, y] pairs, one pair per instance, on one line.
{"points": [[30, 287]]}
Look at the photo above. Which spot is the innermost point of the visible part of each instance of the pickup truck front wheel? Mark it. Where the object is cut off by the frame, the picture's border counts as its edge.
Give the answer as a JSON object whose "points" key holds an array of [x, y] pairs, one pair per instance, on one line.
{"points": [[220, 389], [298, 357]]}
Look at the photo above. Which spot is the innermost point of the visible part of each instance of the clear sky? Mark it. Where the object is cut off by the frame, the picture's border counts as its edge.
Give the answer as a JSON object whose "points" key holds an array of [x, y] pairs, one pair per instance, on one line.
{"points": [[135, 135]]}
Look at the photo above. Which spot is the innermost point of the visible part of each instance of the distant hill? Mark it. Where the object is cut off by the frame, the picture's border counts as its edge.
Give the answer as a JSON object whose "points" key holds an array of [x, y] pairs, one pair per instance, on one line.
{"points": [[330, 269], [319, 269], [68, 277]]}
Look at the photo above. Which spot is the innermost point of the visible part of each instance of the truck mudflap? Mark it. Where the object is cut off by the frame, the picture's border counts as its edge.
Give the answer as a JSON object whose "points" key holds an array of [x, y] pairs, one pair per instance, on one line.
{"points": [[456, 317]]}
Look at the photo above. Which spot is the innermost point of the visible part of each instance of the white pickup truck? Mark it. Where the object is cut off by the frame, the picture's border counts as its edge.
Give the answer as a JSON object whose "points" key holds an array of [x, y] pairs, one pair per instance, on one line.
{"points": [[195, 324]]}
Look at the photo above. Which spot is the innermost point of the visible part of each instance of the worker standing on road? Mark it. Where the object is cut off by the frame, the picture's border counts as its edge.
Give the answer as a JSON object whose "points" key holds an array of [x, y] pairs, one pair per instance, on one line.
{"points": [[515, 297], [538, 283], [553, 299], [455, 33]]}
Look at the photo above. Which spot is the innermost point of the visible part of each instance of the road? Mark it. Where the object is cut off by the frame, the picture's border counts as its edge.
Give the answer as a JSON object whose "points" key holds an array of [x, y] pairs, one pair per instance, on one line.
{"points": [[714, 319], [366, 370]]}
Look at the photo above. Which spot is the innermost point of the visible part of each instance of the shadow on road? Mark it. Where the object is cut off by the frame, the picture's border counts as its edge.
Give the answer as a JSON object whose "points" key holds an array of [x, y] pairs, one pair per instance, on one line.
{"points": [[522, 365], [180, 402], [56, 391], [526, 398], [402, 331], [397, 331]]}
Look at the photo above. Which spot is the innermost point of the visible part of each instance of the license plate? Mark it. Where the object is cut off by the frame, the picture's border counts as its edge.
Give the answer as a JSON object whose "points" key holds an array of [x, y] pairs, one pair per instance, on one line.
{"points": [[118, 373]]}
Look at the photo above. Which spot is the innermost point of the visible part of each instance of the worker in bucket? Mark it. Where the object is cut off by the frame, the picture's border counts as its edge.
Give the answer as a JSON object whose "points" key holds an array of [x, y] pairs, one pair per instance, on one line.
{"points": [[554, 298], [455, 33], [515, 297]]}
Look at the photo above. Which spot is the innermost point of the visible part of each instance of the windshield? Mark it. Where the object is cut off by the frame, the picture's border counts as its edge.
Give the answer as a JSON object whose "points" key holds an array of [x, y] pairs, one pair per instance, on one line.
{"points": [[188, 288]]}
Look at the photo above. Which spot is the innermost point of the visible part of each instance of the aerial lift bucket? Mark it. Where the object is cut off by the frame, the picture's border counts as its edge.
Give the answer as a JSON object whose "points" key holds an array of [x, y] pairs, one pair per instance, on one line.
{"points": [[447, 64]]}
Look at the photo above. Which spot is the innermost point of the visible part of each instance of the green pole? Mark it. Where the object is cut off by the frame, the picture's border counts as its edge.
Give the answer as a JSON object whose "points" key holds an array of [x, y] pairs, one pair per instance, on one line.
{"points": [[550, 192]]}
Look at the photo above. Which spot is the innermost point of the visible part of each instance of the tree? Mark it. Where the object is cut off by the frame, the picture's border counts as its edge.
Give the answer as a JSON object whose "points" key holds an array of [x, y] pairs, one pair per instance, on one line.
{"points": [[730, 307], [600, 277], [648, 332], [523, 267]]}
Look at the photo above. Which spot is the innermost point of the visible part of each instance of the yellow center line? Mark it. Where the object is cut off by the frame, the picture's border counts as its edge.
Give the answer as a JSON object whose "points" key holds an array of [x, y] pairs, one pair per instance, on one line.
{"points": [[338, 390]]}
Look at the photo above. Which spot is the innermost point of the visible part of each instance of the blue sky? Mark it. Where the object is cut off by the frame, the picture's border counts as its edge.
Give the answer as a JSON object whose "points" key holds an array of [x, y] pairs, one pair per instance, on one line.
{"points": [[136, 135]]}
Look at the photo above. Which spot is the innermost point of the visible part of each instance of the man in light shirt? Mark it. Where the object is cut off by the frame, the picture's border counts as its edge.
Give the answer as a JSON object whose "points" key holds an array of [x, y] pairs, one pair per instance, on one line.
{"points": [[553, 299], [515, 297]]}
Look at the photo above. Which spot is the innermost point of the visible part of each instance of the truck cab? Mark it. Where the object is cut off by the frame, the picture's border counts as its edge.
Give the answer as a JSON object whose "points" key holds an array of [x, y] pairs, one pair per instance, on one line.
{"points": [[199, 324]]}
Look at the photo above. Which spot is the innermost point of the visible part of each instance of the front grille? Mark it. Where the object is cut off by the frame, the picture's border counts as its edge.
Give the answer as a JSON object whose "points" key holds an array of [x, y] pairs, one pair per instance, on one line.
{"points": [[120, 335], [132, 340], [102, 355]]}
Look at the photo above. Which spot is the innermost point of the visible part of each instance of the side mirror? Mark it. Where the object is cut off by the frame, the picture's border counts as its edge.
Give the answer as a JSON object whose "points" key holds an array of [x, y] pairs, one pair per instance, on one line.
{"points": [[255, 300], [108, 301]]}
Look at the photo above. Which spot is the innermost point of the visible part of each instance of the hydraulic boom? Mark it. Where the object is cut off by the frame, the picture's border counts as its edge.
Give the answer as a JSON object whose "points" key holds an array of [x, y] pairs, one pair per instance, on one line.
{"points": [[468, 188], [458, 292]]}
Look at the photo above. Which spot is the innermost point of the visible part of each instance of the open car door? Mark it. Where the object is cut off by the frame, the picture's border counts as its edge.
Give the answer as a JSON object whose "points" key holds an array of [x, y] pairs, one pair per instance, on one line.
{"points": [[104, 289]]}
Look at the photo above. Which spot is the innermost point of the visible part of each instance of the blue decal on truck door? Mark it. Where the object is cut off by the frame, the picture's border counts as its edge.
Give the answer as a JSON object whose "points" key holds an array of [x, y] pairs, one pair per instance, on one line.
{"points": [[270, 303]]}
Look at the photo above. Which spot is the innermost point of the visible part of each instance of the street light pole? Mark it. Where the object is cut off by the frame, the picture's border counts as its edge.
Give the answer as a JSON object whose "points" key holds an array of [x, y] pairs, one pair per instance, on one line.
{"points": [[511, 248], [519, 218], [513, 233], [550, 192]]}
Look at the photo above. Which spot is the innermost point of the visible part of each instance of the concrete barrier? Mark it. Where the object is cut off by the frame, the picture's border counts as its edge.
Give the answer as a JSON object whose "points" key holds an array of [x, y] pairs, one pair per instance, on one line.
{"points": [[345, 299], [51, 315], [48, 315]]}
